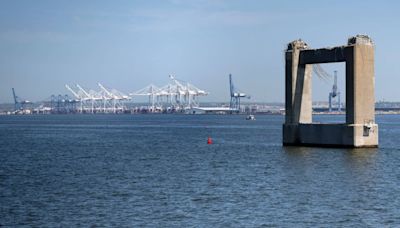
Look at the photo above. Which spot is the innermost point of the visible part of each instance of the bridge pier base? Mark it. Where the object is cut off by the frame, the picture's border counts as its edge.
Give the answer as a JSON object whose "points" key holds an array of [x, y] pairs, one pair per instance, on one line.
{"points": [[360, 129]]}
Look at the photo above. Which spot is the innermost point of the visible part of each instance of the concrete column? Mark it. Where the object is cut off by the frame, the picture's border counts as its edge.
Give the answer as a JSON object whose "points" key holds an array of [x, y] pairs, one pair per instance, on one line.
{"points": [[363, 82], [303, 95], [289, 86], [298, 85], [360, 129]]}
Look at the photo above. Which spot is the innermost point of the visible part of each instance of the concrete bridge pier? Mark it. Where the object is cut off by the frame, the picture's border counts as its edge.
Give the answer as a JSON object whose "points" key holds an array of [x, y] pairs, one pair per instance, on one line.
{"points": [[360, 129]]}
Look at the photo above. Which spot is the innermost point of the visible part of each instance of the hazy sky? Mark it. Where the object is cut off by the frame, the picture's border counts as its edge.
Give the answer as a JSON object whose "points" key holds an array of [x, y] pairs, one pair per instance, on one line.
{"points": [[130, 44]]}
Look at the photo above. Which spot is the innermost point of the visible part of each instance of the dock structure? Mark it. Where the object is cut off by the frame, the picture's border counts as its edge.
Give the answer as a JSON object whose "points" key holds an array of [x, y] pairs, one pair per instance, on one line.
{"points": [[360, 129]]}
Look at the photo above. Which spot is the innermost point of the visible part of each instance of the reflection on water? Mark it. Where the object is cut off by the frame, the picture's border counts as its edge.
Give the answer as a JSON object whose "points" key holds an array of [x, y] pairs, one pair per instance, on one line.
{"points": [[298, 150], [360, 157], [353, 159]]}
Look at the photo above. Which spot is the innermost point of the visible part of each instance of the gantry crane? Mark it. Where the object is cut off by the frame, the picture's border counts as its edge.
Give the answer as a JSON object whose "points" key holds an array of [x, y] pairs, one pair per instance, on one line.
{"points": [[18, 103], [236, 94], [189, 92], [334, 93]]}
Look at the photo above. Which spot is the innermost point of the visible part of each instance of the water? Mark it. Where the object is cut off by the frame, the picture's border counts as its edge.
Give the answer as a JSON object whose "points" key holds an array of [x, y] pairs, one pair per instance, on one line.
{"points": [[158, 171]]}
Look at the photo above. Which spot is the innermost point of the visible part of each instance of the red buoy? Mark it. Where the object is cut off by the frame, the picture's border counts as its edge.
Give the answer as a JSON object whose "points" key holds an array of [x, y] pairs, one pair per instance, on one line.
{"points": [[209, 140]]}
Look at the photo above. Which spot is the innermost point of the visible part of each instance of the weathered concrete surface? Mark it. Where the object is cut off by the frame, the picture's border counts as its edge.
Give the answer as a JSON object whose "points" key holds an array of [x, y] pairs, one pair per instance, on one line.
{"points": [[323, 55], [360, 129], [298, 86], [330, 135]]}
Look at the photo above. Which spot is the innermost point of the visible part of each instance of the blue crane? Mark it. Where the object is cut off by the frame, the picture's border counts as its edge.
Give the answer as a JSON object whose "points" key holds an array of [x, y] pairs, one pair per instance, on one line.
{"points": [[18, 103], [235, 96], [334, 93]]}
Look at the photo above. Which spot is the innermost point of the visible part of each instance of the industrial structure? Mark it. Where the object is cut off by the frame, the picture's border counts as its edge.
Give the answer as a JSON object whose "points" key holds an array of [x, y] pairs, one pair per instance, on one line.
{"points": [[325, 76], [104, 100], [19, 104], [235, 94], [60, 104], [335, 94], [360, 129], [176, 96]]}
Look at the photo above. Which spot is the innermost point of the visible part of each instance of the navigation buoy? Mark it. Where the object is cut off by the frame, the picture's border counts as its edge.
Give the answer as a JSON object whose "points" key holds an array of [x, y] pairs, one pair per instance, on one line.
{"points": [[209, 140]]}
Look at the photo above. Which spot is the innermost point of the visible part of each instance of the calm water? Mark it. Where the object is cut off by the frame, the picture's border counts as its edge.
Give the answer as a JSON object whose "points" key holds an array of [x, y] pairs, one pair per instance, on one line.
{"points": [[158, 171]]}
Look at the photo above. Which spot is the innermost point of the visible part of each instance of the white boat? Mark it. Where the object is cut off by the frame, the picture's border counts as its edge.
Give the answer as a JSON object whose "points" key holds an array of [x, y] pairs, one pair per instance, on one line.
{"points": [[250, 117]]}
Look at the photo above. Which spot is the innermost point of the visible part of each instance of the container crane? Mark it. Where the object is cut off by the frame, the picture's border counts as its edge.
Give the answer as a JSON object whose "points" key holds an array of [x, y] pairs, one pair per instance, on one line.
{"points": [[107, 95], [18, 103], [73, 92], [189, 92], [235, 96], [180, 89], [114, 95], [152, 92], [334, 93], [89, 96], [78, 97]]}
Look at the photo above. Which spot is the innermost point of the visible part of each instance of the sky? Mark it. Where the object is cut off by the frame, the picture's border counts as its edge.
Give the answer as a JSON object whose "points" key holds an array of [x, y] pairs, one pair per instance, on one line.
{"points": [[129, 44]]}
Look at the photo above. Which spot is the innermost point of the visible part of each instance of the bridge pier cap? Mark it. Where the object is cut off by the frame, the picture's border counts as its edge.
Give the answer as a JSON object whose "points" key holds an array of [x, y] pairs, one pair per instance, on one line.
{"points": [[360, 129]]}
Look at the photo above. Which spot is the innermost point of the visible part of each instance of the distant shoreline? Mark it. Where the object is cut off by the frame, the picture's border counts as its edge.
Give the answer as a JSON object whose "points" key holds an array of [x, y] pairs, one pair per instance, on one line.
{"points": [[177, 113]]}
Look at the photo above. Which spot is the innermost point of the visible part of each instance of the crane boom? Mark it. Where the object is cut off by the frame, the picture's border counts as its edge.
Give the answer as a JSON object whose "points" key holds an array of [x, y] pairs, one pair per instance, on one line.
{"points": [[15, 100], [15, 96], [231, 85], [81, 89], [176, 81], [72, 91], [105, 90], [236, 94]]}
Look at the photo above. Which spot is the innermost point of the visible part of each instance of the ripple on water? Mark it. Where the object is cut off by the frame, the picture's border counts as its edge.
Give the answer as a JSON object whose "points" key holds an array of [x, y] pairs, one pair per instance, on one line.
{"points": [[158, 171]]}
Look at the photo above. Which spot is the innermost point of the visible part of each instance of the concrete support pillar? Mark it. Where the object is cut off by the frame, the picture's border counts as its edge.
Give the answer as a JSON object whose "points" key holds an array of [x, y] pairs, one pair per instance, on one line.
{"points": [[360, 84], [298, 85], [360, 129]]}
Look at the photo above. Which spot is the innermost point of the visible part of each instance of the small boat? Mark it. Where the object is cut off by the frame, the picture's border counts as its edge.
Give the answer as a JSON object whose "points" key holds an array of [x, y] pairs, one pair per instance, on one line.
{"points": [[250, 117]]}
